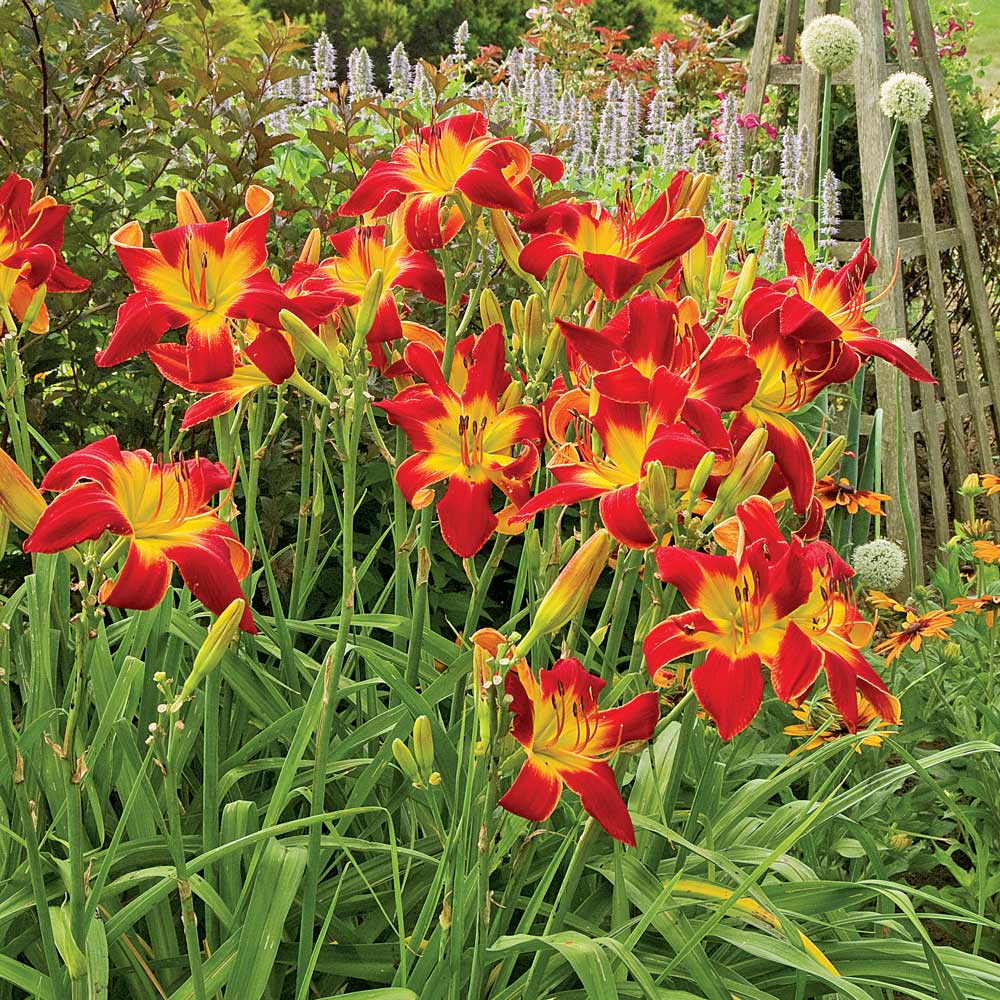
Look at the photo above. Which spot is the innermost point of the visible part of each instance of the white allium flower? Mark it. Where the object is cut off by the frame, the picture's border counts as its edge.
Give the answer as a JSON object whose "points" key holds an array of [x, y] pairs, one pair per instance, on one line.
{"points": [[906, 97], [880, 565], [830, 43]]}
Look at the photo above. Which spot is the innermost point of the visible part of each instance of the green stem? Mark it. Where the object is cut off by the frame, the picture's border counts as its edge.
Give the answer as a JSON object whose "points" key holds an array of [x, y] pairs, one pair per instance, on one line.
{"points": [[333, 668], [880, 186], [824, 146], [175, 837]]}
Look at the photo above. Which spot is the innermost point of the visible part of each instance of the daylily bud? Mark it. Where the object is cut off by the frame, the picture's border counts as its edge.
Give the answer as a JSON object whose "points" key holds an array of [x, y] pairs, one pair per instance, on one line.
{"points": [[305, 338], [751, 467], [407, 763], [717, 273], [517, 317], [220, 634], [510, 244], [423, 745], [311, 248], [700, 189], [534, 332], [830, 457], [656, 494], [367, 308], [188, 210], [699, 477], [557, 293], [744, 284], [20, 501], [489, 310], [571, 590], [694, 264], [34, 307]]}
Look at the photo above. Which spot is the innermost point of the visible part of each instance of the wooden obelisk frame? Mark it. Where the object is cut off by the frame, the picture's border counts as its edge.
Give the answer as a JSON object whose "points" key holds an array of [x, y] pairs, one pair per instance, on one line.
{"points": [[963, 410]]}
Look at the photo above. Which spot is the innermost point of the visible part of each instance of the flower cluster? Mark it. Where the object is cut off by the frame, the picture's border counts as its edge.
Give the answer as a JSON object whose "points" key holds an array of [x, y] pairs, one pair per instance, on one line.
{"points": [[647, 369]]}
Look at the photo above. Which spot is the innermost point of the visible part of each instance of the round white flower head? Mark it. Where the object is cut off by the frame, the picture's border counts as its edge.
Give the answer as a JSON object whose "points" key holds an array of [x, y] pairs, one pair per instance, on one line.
{"points": [[880, 565], [905, 344], [830, 43], [906, 97]]}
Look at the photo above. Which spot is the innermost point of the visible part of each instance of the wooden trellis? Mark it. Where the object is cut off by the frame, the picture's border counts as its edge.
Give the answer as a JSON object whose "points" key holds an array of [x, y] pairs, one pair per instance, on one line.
{"points": [[957, 422]]}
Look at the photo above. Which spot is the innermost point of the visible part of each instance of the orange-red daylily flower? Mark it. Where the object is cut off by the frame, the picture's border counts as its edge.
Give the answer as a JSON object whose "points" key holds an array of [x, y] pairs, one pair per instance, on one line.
{"points": [[31, 239], [916, 628], [831, 493], [266, 360], [829, 305], [452, 157], [466, 436], [772, 602], [567, 740], [619, 250], [667, 429], [363, 250], [199, 276], [162, 508], [792, 374]]}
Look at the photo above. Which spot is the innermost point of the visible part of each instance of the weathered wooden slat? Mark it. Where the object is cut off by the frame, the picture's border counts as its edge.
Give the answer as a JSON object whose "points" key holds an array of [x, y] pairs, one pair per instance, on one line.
{"points": [[925, 420], [794, 74], [910, 247], [943, 365], [873, 140], [923, 29], [790, 29], [810, 106], [760, 57]]}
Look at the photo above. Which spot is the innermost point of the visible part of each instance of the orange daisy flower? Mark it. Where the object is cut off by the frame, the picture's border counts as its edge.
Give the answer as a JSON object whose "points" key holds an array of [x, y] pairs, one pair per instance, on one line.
{"points": [[821, 723], [991, 484], [986, 604], [986, 551], [833, 494], [932, 625], [884, 602]]}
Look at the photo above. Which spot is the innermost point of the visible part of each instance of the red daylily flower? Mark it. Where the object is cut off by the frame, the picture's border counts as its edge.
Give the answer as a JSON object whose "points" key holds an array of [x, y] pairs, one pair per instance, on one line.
{"points": [[830, 305], [451, 157], [31, 239], [198, 275], [266, 360], [774, 602], [670, 428], [468, 438], [617, 251], [568, 741], [362, 250], [792, 374], [163, 509], [651, 333]]}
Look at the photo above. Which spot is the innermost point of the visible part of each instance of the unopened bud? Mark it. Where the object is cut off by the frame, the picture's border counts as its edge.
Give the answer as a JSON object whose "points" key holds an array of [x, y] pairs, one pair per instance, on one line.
{"points": [[220, 634], [831, 455], [534, 332], [489, 310], [367, 308], [20, 501], [407, 763], [510, 243], [423, 745], [971, 486], [310, 249], [952, 653], [305, 338], [571, 590]]}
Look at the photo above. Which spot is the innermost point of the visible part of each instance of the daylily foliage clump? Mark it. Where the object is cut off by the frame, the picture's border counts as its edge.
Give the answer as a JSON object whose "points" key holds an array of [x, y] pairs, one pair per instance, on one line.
{"points": [[638, 398]]}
